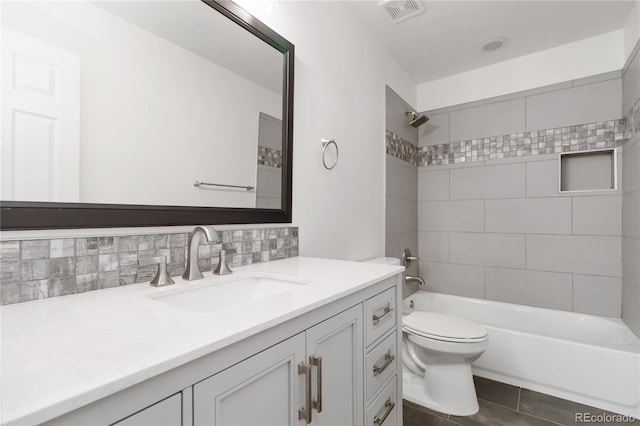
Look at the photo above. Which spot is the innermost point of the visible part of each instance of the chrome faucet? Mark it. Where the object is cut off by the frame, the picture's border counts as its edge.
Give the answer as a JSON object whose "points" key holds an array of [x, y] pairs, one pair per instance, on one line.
{"points": [[410, 279], [192, 270]]}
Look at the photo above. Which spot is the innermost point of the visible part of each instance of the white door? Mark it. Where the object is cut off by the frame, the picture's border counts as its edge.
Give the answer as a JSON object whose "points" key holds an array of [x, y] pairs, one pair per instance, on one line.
{"points": [[338, 342], [264, 390], [40, 120]]}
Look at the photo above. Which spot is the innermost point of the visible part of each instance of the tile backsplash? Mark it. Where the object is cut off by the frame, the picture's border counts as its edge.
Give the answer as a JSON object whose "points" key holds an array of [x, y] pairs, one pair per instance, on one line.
{"points": [[38, 269], [598, 135]]}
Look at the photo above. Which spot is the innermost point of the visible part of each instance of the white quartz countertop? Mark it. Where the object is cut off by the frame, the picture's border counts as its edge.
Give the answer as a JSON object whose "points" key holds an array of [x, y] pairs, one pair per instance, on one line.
{"points": [[62, 353]]}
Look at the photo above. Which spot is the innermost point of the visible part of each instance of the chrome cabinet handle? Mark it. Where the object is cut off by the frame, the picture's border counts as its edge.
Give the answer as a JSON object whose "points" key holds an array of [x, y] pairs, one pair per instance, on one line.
{"points": [[317, 362], [379, 420], [388, 359], [376, 318], [305, 412]]}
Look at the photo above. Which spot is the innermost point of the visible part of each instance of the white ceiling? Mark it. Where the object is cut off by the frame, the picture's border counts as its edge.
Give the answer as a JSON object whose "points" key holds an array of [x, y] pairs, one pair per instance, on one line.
{"points": [[448, 38]]}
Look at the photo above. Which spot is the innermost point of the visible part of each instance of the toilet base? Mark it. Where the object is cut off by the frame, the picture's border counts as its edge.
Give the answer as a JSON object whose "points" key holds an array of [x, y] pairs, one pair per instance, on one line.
{"points": [[464, 403]]}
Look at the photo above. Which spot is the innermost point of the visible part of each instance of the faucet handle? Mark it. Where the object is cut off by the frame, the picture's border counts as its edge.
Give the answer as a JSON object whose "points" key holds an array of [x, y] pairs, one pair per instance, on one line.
{"points": [[162, 278], [407, 258], [223, 268]]}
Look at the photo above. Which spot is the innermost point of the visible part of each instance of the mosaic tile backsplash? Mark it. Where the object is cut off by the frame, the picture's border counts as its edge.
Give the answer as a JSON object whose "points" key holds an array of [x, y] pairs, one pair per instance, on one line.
{"points": [[269, 157], [602, 134], [38, 269], [401, 148], [632, 121]]}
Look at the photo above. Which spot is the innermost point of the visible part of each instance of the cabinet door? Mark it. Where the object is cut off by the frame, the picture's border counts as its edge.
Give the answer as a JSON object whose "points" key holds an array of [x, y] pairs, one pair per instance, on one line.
{"points": [[265, 390], [338, 341], [167, 412]]}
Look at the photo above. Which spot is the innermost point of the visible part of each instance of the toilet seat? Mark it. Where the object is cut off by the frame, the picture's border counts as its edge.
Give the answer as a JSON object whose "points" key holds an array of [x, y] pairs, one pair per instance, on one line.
{"points": [[436, 326]]}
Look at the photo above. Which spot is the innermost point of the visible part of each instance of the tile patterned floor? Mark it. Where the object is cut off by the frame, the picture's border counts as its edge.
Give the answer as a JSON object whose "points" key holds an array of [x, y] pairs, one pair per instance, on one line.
{"points": [[506, 405]]}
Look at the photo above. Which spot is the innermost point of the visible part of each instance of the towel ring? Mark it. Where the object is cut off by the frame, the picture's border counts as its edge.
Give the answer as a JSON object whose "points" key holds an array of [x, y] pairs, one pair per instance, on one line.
{"points": [[325, 144]]}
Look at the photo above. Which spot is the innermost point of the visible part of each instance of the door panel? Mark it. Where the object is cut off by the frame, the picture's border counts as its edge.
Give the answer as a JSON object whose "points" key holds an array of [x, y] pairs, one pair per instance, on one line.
{"points": [[40, 121], [339, 342], [262, 390]]}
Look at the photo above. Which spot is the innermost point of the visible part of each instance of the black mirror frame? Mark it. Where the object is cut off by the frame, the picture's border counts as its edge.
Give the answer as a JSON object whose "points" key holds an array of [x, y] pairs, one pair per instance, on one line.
{"points": [[19, 215]]}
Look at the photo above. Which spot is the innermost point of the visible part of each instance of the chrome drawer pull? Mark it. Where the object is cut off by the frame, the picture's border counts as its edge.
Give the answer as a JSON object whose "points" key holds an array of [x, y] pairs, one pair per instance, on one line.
{"points": [[305, 412], [376, 318], [379, 420], [317, 362], [388, 359]]}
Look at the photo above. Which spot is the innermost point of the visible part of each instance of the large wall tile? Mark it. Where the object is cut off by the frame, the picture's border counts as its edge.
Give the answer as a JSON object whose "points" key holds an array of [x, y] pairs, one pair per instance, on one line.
{"points": [[542, 178], [434, 246], [529, 215], [597, 295], [451, 215], [534, 288], [433, 185], [569, 107], [631, 215], [597, 215], [631, 84], [630, 283], [395, 118], [401, 216], [402, 179], [631, 168], [460, 280], [507, 250], [435, 131], [396, 243], [592, 255], [477, 183], [499, 118]]}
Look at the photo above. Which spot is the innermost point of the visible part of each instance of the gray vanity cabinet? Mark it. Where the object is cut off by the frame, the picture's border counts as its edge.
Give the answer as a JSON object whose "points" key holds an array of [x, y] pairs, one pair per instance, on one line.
{"points": [[167, 412], [272, 378], [271, 387]]}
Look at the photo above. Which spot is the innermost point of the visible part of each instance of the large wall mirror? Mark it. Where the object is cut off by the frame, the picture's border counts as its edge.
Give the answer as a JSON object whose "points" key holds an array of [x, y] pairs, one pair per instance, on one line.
{"points": [[143, 113]]}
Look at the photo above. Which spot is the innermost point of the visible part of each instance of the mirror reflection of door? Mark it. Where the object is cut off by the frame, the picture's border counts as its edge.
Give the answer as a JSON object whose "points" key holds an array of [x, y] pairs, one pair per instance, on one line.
{"points": [[40, 120], [269, 178]]}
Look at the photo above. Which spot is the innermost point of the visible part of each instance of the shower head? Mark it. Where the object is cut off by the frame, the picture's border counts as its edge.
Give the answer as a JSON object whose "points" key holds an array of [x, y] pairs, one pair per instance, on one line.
{"points": [[417, 120]]}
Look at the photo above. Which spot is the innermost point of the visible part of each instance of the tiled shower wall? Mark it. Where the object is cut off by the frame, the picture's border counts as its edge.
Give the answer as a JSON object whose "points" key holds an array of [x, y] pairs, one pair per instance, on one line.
{"points": [[631, 197], [38, 269], [497, 228], [401, 212]]}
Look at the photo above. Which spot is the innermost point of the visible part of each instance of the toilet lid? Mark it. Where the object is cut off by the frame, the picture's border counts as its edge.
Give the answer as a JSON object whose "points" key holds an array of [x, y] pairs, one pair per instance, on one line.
{"points": [[442, 326]]}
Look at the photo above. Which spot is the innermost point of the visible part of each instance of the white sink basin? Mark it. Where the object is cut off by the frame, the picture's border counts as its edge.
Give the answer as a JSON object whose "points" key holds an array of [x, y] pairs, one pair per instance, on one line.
{"points": [[215, 296]]}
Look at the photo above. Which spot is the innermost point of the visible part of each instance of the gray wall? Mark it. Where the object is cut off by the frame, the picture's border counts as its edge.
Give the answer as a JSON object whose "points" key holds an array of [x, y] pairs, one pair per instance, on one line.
{"points": [[401, 209], [631, 203], [499, 229]]}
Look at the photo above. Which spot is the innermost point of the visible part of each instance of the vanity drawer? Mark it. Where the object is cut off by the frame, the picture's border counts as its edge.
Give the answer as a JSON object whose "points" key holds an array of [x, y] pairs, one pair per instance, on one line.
{"points": [[379, 315], [380, 365], [382, 411]]}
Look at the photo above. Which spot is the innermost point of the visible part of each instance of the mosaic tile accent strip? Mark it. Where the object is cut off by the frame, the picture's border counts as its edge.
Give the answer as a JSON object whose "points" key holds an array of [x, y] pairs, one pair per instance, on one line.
{"points": [[269, 157], [39, 269], [602, 134], [401, 148], [632, 120]]}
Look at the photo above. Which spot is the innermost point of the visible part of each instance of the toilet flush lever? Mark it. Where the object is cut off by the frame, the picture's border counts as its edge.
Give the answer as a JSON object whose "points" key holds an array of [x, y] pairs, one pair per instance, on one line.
{"points": [[407, 258]]}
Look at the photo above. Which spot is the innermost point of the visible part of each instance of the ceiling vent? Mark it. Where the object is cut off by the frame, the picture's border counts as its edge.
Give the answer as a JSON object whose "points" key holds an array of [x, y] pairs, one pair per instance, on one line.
{"points": [[401, 10]]}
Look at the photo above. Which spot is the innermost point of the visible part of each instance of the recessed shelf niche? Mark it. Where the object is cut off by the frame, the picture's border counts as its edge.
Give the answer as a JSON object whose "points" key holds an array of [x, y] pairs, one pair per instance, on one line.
{"points": [[588, 171]]}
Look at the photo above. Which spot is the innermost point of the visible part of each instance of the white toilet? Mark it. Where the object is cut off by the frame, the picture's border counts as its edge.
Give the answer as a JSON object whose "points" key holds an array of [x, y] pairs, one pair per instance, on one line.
{"points": [[437, 354]]}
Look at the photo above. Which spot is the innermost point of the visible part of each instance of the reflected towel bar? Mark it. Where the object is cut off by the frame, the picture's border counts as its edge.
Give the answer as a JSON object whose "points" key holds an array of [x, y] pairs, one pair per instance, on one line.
{"points": [[198, 183]]}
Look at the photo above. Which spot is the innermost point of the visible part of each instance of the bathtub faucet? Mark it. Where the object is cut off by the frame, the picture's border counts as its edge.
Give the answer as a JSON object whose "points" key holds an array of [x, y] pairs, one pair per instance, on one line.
{"points": [[411, 279]]}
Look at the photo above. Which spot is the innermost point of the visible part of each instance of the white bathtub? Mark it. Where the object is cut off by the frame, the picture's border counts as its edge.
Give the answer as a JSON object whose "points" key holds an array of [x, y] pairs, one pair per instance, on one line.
{"points": [[583, 358]]}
